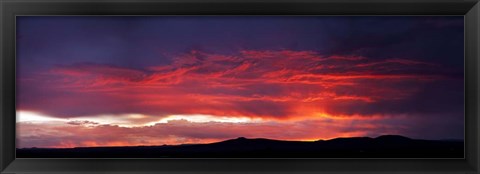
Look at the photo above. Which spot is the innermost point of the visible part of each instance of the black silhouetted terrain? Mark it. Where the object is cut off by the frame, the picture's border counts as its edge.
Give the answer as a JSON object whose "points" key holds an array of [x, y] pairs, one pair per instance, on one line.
{"points": [[387, 146]]}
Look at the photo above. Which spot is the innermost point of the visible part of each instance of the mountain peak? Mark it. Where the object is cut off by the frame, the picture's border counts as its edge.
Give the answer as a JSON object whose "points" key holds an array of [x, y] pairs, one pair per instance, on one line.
{"points": [[241, 138]]}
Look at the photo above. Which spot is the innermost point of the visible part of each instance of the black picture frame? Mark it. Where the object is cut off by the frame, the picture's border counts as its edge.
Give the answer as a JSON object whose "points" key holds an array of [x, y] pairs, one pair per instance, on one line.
{"points": [[11, 8]]}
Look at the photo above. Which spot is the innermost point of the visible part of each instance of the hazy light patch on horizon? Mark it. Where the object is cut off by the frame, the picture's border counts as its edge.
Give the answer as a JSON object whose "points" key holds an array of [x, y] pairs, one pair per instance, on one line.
{"points": [[122, 120], [28, 116], [131, 120], [201, 118], [135, 120]]}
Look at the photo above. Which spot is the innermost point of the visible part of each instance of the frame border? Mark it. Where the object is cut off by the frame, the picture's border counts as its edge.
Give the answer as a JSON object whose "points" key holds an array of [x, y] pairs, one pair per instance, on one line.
{"points": [[11, 8]]}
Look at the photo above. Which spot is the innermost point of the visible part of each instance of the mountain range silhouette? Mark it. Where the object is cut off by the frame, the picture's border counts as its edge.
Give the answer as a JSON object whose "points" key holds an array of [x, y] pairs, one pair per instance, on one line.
{"points": [[385, 146]]}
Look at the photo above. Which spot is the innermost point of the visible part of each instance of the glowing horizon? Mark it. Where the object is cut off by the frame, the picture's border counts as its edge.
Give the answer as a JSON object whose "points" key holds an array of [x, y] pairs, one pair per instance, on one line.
{"points": [[28, 120]]}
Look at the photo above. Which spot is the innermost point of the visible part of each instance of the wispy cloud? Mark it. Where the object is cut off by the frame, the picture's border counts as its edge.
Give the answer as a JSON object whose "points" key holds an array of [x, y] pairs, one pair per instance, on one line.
{"points": [[252, 83]]}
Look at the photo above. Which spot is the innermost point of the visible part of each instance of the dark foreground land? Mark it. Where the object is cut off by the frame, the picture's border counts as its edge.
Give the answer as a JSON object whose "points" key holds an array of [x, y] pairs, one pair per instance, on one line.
{"points": [[387, 146]]}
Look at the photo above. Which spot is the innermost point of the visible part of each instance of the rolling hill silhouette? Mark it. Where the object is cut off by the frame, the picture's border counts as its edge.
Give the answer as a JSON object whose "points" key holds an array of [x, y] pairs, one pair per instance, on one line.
{"points": [[386, 146]]}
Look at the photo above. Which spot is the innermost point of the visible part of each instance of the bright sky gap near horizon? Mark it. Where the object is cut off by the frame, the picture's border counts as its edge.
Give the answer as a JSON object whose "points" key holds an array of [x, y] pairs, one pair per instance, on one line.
{"points": [[154, 80]]}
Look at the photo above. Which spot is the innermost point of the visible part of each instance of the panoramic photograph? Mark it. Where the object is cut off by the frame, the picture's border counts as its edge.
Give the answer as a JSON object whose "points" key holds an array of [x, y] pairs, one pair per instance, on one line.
{"points": [[240, 87]]}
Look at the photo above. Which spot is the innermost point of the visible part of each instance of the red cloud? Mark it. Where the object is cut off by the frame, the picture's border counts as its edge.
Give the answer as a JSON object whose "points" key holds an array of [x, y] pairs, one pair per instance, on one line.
{"points": [[270, 84]]}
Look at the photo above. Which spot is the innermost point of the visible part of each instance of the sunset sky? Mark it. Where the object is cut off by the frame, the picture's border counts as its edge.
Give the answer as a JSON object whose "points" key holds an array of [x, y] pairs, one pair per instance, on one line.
{"points": [[154, 80]]}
